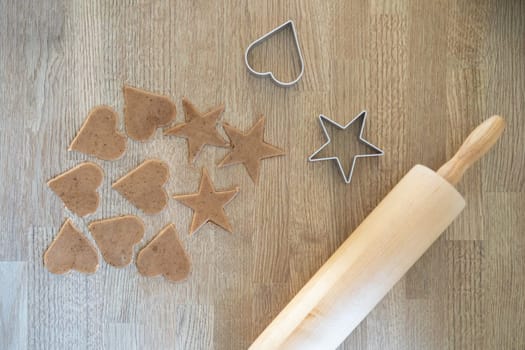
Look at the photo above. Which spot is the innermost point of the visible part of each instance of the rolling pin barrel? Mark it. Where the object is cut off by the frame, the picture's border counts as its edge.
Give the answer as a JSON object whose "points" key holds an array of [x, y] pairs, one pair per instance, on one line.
{"points": [[377, 254]]}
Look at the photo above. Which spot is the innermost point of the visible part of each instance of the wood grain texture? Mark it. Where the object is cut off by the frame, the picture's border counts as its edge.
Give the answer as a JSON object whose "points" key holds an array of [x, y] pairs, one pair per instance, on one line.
{"points": [[426, 71]]}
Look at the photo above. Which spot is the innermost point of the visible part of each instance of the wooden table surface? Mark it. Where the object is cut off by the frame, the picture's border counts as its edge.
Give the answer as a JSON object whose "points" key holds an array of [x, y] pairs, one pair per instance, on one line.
{"points": [[427, 72]]}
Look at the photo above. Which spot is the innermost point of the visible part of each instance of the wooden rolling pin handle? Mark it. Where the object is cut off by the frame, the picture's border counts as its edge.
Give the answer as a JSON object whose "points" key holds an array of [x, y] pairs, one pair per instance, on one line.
{"points": [[475, 146]]}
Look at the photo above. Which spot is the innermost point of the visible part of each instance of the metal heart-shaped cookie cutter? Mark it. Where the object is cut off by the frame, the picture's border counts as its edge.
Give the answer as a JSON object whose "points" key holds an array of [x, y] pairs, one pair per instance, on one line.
{"points": [[265, 37]]}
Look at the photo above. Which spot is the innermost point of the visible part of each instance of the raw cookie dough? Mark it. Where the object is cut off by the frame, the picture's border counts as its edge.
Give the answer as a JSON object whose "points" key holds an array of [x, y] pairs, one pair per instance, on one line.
{"points": [[249, 148], [144, 112], [164, 255], [77, 187], [199, 129], [208, 204], [116, 237], [71, 250], [142, 186], [98, 136]]}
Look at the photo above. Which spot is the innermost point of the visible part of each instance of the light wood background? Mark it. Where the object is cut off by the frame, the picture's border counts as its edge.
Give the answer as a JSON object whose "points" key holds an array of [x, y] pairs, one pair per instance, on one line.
{"points": [[426, 71]]}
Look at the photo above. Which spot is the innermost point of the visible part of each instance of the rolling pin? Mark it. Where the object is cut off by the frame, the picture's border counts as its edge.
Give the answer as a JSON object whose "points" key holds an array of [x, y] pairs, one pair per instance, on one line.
{"points": [[378, 253]]}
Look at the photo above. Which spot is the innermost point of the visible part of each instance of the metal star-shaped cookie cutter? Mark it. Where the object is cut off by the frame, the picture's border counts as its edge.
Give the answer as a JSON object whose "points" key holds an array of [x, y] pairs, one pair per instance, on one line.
{"points": [[265, 37], [322, 120]]}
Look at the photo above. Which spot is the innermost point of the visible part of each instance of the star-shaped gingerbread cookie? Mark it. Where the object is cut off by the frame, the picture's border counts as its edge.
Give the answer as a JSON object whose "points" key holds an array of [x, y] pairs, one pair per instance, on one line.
{"points": [[249, 148], [208, 204], [199, 129]]}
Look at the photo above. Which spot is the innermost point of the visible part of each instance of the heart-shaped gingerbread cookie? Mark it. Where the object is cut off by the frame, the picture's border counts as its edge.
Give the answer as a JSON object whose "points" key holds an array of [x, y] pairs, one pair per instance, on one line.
{"points": [[142, 186], [116, 237], [78, 186], [164, 255], [99, 136], [71, 250], [144, 112]]}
